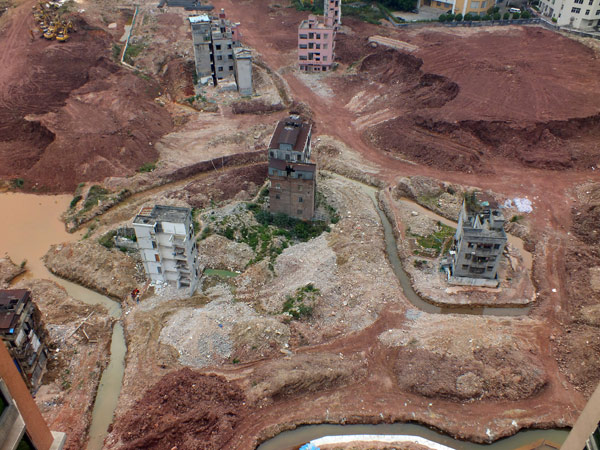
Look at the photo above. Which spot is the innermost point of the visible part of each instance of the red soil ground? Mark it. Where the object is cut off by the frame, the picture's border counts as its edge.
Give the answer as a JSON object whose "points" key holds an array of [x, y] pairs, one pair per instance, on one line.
{"points": [[67, 113]]}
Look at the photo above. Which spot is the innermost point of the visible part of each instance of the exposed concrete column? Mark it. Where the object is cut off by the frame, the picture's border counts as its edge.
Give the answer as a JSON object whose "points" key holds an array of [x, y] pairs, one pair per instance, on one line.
{"points": [[585, 424], [37, 430]]}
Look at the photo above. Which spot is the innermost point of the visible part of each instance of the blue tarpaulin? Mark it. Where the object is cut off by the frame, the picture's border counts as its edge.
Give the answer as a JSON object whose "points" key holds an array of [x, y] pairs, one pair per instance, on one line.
{"points": [[309, 446]]}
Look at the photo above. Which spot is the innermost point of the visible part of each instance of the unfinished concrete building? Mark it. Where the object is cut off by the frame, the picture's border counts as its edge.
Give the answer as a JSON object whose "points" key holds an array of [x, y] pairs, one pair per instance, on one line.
{"points": [[22, 331], [479, 242], [215, 42], [292, 175], [165, 237], [21, 423]]}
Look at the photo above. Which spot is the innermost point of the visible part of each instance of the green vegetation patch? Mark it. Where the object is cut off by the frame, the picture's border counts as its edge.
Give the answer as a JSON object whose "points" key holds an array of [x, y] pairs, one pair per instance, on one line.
{"points": [[302, 303], [147, 167], [438, 242], [367, 13], [95, 194], [132, 52]]}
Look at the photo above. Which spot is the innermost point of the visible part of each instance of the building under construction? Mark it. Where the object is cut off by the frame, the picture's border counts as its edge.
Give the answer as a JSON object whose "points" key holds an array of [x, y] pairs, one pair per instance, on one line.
{"points": [[293, 177], [218, 55], [22, 331]]}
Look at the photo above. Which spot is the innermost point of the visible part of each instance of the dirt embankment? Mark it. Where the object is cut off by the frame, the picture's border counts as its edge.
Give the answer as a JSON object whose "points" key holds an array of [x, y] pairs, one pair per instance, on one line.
{"points": [[187, 410], [461, 112], [9, 271], [68, 114], [110, 272]]}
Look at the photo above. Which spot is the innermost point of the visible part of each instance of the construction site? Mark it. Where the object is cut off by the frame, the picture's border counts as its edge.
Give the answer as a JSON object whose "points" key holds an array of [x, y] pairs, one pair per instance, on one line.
{"points": [[348, 318]]}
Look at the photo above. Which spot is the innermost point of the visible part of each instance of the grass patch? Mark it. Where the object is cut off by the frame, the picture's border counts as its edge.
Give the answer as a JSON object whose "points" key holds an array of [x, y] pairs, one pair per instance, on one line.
{"points": [[516, 218], [334, 217], [301, 304], [429, 201], [132, 52], [438, 242], [18, 183]]}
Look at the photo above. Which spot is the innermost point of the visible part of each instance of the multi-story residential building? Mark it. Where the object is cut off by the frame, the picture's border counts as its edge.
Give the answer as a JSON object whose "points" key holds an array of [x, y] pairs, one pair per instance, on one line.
{"points": [[475, 7], [479, 240], [579, 14], [165, 237], [292, 175], [215, 41], [333, 9], [316, 38], [21, 423], [22, 330], [316, 44]]}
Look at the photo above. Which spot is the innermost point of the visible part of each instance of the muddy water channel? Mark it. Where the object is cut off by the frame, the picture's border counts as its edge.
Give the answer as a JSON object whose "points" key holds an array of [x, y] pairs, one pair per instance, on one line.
{"points": [[35, 225]]}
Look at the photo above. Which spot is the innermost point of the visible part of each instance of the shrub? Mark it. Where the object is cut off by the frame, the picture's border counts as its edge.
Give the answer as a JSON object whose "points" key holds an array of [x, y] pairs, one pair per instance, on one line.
{"points": [[147, 167], [75, 201], [486, 17], [526, 15], [301, 304], [516, 16], [95, 194], [554, 20], [18, 182], [506, 16], [497, 16], [442, 18], [116, 51], [468, 17], [107, 240], [449, 17], [458, 17]]}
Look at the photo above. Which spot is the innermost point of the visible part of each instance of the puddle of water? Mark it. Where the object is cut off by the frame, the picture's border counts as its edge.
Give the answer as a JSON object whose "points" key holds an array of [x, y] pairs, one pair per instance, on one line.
{"points": [[220, 273], [292, 439], [108, 390], [31, 224]]}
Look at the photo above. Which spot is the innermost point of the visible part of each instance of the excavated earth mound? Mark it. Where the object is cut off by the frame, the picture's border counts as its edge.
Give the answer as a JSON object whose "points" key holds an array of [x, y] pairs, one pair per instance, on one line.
{"points": [[186, 410], [68, 114], [452, 105], [492, 373]]}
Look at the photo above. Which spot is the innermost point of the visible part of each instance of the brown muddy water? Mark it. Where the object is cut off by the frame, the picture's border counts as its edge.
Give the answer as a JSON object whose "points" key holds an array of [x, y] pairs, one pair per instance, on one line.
{"points": [[32, 224]]}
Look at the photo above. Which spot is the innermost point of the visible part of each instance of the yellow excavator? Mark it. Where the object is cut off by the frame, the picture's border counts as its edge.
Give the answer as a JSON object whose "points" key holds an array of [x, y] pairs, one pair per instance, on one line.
{"points": [[50, 32], [62, 35]]}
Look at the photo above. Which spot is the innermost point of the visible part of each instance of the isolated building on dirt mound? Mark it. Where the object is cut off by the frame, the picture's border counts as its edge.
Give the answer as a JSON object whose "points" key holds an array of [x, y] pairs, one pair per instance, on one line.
{"points": [[316, 38], [21, 423], [292, 175], [216, 40], [22, 331], [165, 237], [478, 243]]}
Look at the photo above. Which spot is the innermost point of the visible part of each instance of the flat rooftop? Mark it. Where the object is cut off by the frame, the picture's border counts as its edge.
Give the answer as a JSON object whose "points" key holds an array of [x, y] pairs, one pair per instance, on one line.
{"points": [[160, 213], [291, 131], [280, 164]]}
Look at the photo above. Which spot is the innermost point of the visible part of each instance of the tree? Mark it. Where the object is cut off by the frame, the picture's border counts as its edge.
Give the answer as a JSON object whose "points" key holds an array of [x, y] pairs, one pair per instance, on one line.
{"points": [[468, 17], [442, 18], [516, 16], [400, 5], [486, 17], [526, 15], [497, 16], [449, 17], [458, 17], [506, 16]]}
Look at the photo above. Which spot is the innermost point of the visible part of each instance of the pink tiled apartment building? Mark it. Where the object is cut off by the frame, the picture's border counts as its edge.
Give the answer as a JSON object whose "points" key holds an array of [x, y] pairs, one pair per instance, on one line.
{"points": [[316, 38]]}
